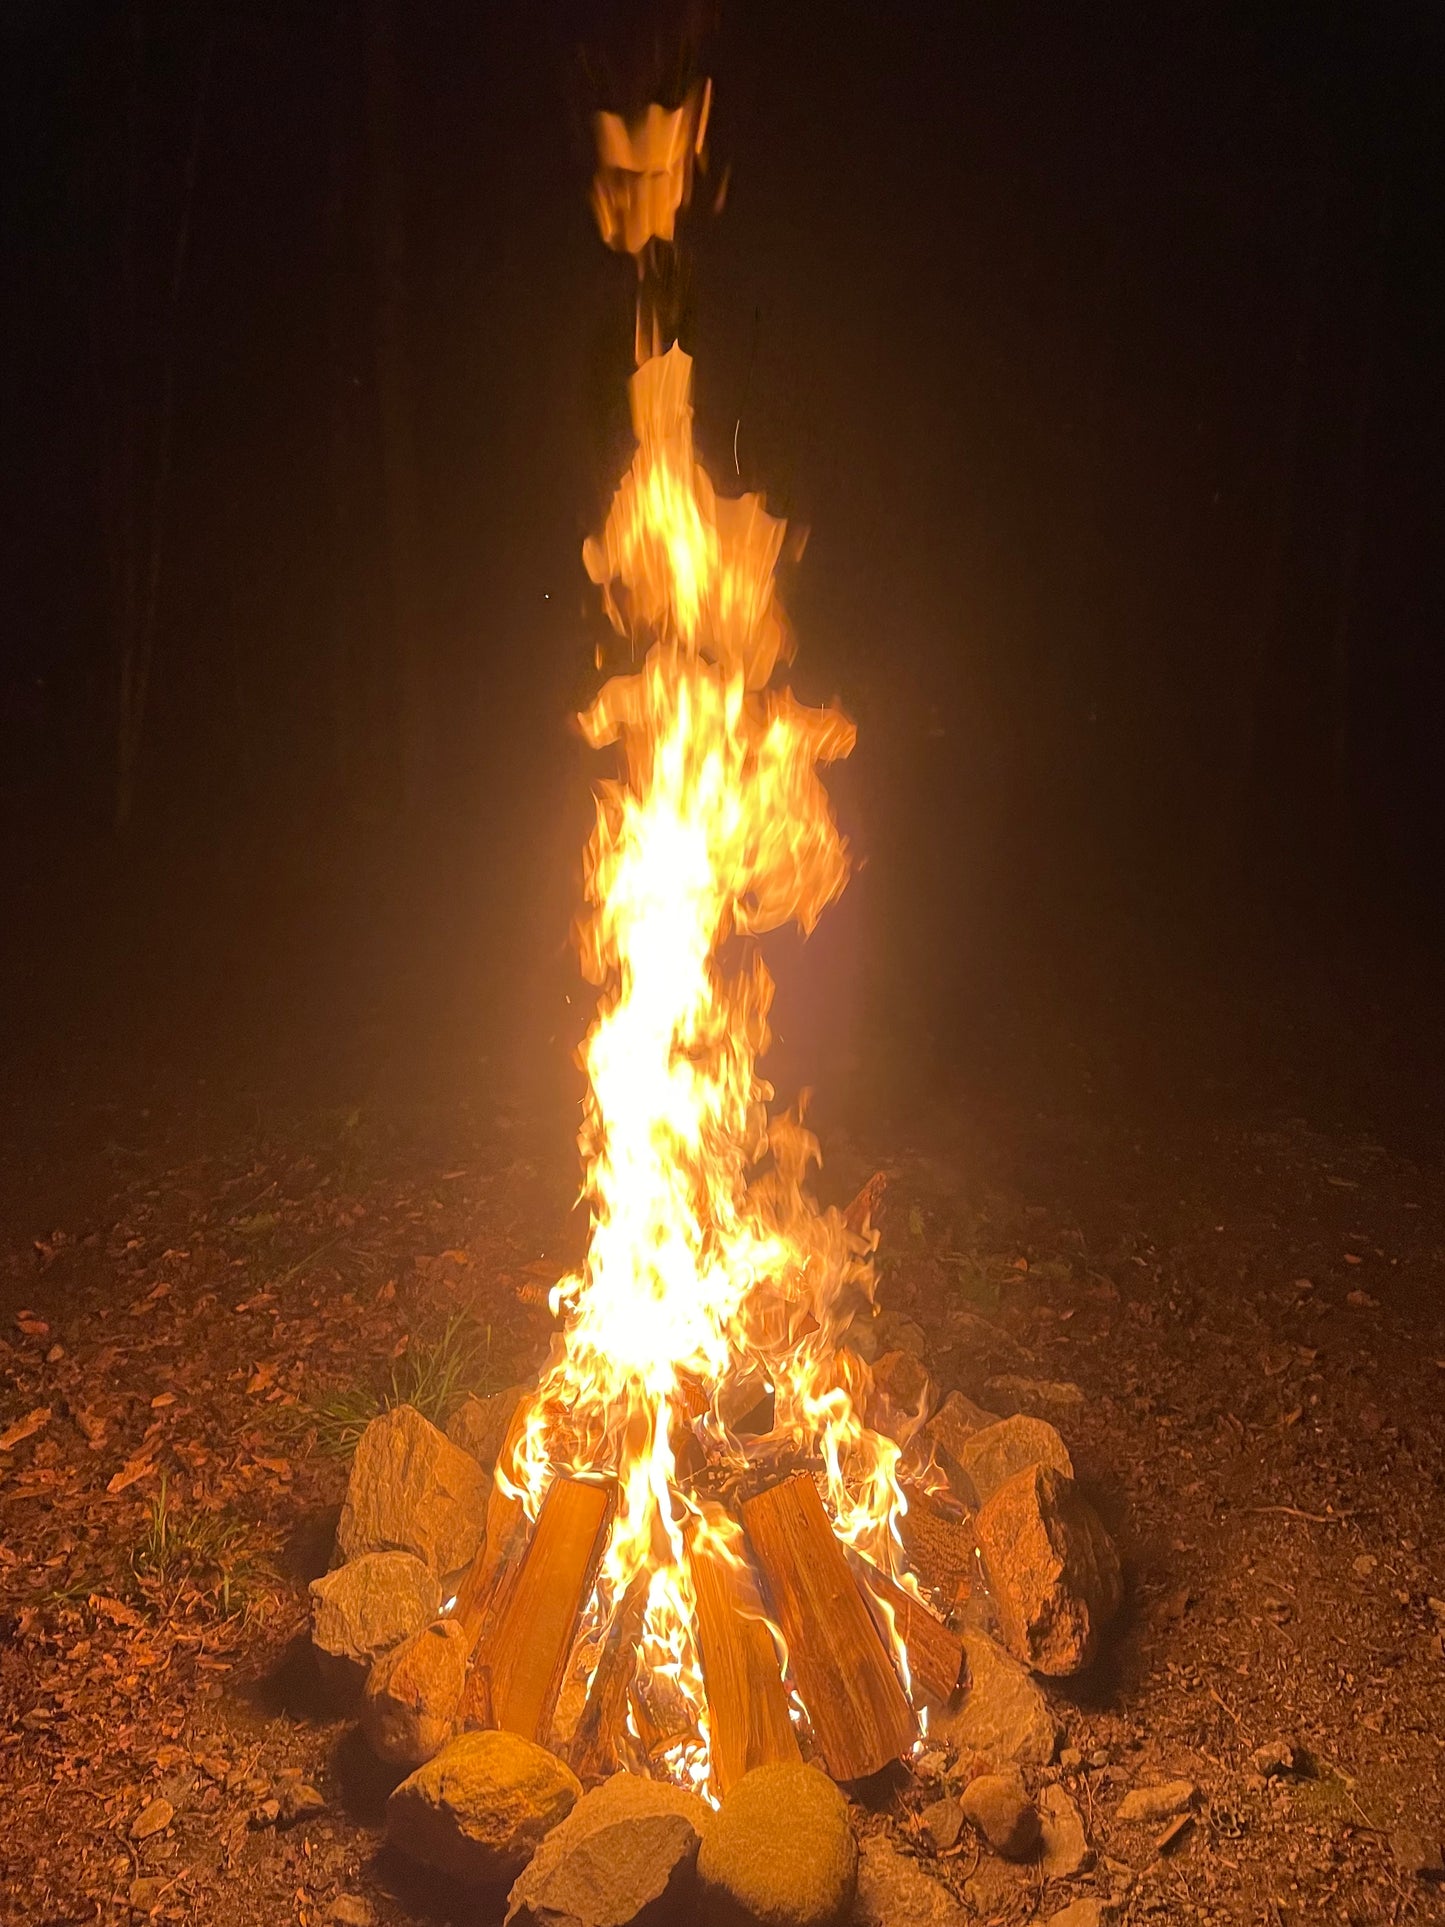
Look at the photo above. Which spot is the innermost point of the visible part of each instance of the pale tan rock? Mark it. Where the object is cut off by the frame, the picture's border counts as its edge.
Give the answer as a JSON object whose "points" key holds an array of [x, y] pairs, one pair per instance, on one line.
{"points": [[623, 1798], [1052, 1568], [1157, 1802], [363, 1609], [942, 1439], [894, 1891], [412, 1490], [1066, 1847], [481, 1807], [998, 1806], [1000, 1712], [410, 1704], [479, 1425], [995, 1454], [638, 1869]]}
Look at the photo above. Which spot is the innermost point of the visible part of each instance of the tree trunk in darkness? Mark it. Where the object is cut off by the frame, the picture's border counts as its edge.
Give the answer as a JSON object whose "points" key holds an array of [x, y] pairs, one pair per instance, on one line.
{"points": [[341, 438], [1272, 608], [1353, 551], [144, 484], [395, 397]]}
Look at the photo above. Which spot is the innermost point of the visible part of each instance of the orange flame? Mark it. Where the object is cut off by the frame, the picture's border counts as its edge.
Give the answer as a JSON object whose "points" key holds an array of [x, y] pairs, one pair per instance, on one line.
{"points": [[710, 1275]]}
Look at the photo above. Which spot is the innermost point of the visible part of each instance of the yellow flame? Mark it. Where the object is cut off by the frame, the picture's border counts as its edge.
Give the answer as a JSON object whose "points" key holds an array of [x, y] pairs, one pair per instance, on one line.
{"points": [[709, 1267]]}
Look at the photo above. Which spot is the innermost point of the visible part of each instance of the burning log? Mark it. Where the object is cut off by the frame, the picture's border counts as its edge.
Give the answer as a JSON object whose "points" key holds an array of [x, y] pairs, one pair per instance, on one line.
{"points": [[935, 1655], [523, 1653], [860, 1717], [597, 1743], [940, 1548], [747, 1707]]}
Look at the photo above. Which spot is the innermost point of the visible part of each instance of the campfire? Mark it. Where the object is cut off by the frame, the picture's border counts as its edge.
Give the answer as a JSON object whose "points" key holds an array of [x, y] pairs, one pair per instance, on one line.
{"points": [[694, 1478], [710, 1537]]}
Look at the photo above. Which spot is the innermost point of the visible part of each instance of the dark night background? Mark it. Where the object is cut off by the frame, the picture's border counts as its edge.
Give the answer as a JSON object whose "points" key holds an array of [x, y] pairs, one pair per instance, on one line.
{"points": [[1099, 350]]}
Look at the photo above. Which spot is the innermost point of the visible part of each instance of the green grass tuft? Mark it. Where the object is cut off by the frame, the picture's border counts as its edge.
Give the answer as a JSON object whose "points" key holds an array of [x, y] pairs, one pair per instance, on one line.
{"points": [[434, 1375], [198, 1557]]}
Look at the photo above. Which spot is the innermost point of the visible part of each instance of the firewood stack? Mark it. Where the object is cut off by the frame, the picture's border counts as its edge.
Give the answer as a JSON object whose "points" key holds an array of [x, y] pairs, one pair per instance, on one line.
{"points": [[522, 1607]]}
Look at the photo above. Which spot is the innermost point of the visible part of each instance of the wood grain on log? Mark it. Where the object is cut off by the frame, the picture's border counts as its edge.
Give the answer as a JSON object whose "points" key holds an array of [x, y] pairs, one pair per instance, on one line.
{"points": [[856, 1706], [747, 1705], [525, 1646], [935, 1655]]}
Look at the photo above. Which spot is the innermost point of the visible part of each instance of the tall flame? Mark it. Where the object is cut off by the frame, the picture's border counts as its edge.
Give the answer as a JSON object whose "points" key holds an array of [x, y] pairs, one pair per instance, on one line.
{"points": [[711, 1279]]}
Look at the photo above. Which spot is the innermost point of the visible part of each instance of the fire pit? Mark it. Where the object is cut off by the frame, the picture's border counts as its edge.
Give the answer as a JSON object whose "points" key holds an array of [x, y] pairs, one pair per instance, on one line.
{"points": [[711, 1539]]}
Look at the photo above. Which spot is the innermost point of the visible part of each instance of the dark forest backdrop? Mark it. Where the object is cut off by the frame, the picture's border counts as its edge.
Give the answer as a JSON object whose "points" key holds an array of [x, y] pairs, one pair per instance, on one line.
{"points": [[1099, 348]]}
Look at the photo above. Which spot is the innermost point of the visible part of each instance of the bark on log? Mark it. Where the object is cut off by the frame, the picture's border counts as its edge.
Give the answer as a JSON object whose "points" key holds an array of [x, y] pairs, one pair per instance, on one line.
{"points": [[597, 1748], [747, 1705], [524, 1650], [935, 1655], [941, 1550], [860, 1717]]}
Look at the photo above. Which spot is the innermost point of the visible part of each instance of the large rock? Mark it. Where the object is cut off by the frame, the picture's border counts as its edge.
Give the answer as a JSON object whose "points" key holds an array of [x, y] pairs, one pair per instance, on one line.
{"points": [[479, 1425], [995, 1454], [998, 1806], [412, 1490], [900, 1397], [410, 1704], [481, 1807], [363, 1609], [1066, 1847], [1052, 1567], [780, 1852], [637, 1873], [894, 1891], [628, 1844], [943, 1438], [1001, 1712]]}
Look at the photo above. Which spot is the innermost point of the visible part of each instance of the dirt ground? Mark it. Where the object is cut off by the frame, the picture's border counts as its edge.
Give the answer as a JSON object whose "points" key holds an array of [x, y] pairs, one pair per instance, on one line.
{"points": [[1249, 1308]]}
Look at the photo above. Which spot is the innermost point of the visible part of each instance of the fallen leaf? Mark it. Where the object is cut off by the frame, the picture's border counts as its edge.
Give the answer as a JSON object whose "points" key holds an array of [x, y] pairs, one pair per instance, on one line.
{"points": [[24, 1427], [115, 1610], [132, 1470], [93, 1426], [154, 1817], [162, 1399]]}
